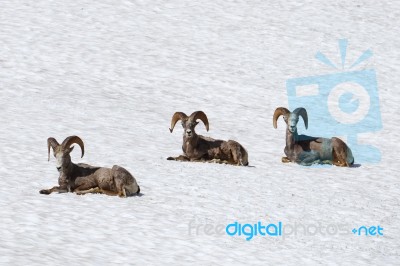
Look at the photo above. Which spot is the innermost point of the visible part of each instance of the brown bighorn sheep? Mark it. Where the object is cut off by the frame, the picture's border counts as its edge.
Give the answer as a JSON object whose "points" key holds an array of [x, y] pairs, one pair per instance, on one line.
{"points": [[306, 150], [83, 178], [200, 148]]}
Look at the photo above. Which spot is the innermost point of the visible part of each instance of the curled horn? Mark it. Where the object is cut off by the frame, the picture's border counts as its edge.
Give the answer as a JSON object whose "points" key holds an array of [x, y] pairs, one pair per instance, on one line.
{"points": [[303, 113], [278, 112], [200, 115], [175, 118], [71, 140], [51, 142]]}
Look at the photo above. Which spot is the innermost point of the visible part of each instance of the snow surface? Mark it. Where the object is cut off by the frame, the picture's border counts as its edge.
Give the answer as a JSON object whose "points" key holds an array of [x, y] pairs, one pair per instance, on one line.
{"points": [[114, 72]]}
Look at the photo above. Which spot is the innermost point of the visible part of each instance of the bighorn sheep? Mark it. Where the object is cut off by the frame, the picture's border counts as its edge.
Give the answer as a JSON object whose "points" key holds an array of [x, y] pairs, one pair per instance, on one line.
{"points": [[308, 150], [82, 178], [200, 148]]}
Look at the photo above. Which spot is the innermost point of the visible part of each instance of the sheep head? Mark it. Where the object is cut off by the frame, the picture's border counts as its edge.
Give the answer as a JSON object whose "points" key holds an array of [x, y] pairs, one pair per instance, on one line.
{"points": [[189, 122], [62, 151], [291, 118]]}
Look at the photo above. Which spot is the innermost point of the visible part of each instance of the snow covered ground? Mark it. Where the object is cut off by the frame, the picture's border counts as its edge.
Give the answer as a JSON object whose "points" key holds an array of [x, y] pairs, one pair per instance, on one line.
{"points": [[114, 72]]}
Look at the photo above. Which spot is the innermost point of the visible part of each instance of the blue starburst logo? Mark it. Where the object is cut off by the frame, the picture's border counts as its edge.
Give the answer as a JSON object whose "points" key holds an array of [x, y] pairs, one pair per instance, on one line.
{"points": [[341, 104]]}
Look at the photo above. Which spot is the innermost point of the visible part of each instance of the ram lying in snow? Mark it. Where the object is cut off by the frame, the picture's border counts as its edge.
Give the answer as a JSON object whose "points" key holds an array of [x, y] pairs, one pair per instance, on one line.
{"points": [[199, 148], [308, 150], [83, 178]]}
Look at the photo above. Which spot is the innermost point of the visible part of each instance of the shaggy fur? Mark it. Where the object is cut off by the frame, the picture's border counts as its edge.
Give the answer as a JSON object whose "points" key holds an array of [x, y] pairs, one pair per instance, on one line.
{"points": [[199, 148], [308, 150], [83, 178]]}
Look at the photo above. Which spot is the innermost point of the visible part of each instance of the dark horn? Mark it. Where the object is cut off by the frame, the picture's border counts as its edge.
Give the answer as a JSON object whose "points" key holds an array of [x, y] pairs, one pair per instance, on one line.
{"points": [[303, 113], [202, 116], [71, 140], [175, 118], [278, 112], [51, 142]]}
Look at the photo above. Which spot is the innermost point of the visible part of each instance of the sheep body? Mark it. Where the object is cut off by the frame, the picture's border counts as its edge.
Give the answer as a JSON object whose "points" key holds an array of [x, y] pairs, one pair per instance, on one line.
{"points": [[213, 149], [306, 150], [200, 148], [83, 178], [111, 181]]}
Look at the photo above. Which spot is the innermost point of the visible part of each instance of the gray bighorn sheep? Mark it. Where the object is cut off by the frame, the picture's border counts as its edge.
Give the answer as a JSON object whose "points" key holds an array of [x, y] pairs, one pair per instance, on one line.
{"points": [[308, 150], [83, 178], [199, 148]]}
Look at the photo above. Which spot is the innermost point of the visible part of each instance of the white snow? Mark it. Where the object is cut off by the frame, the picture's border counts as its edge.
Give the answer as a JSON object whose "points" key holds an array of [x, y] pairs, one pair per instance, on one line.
{"points": [[114, 72]]}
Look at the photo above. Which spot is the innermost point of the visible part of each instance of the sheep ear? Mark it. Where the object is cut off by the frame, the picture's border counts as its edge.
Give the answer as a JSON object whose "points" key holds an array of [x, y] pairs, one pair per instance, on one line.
{"points": [[71, 149]]}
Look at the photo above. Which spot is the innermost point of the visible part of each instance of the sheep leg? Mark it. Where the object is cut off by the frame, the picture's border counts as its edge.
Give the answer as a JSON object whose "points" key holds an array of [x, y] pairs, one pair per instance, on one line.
{"points": [[308, 158], [234, 148], [339, 152], [231, 162], [179, 158], [218, 161], [86, 185], [119, 185], [96, 190], [202, 160], [125, 183], [285, 160], [109, 192], [183, 158], [90, 190], [53, 189]]}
